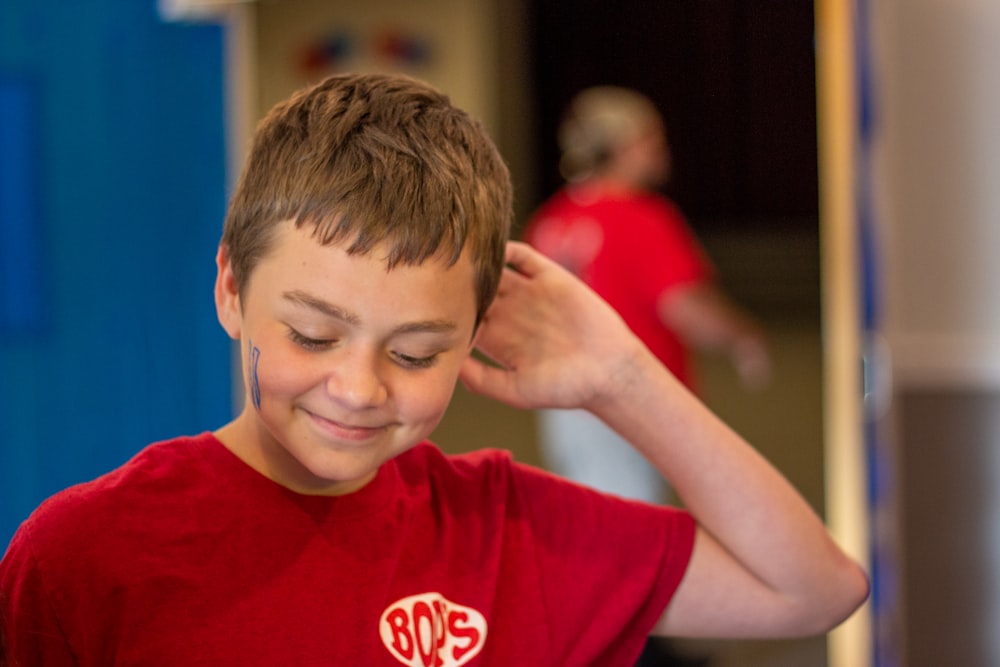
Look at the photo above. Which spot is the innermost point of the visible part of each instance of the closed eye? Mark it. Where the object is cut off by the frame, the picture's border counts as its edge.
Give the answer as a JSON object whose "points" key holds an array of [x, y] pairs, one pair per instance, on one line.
{"points": [[308, 343], [407, 361]]}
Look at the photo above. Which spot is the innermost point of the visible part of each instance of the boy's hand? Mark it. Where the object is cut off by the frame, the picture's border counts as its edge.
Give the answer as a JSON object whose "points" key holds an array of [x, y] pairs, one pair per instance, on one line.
{"points": [[555, 343]]}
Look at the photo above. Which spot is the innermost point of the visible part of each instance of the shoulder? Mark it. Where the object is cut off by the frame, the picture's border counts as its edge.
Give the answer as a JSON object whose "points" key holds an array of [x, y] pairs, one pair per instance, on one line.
{"points": [[654, 209], [559, 513], [656, 222], [550, 212], [490, 476], [557, 201], [494, 472], [73, 514], [469, 469]]}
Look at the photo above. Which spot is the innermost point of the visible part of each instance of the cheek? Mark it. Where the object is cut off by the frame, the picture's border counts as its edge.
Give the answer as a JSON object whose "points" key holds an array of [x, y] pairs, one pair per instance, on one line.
{"points": [[427, 399], [271, 371], [252, 370]]}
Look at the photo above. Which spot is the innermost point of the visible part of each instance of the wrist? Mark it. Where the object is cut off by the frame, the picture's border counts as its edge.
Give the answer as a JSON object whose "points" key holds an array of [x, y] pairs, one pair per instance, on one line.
{"points": [[635, 377]]}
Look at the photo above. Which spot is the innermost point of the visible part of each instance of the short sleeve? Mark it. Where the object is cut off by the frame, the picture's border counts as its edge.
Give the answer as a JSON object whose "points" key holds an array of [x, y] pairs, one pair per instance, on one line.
{"points": [[29, 631], [608, 566]]}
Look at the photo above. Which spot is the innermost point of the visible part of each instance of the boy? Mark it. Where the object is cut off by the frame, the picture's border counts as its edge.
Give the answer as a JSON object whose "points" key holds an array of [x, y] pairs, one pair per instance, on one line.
{"points": [[357, 268]]}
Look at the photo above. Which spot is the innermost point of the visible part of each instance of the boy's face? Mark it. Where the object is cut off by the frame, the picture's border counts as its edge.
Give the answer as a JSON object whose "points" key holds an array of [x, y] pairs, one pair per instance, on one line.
{"points": [[346, 364]]}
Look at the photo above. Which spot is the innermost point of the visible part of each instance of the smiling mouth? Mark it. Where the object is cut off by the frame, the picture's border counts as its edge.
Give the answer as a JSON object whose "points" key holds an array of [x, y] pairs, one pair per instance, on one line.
{"points": [[345, 431]]}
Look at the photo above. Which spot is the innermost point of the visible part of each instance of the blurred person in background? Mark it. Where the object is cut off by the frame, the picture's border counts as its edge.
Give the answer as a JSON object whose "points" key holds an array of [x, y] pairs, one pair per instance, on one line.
{"points": [[612, 227]]}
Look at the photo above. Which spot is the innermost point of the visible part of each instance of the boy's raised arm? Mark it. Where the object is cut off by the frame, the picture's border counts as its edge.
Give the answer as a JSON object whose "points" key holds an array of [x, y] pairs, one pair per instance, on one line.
{"points": [[763, 563]]}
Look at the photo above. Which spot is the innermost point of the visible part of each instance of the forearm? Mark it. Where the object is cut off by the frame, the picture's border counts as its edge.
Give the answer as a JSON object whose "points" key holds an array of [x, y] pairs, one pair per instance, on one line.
{"points": [[735, 495], [705, 319]]}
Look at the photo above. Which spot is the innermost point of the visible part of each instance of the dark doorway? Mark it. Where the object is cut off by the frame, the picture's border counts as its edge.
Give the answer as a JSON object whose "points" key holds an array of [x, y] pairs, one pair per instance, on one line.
{"points": [[735, 82]]}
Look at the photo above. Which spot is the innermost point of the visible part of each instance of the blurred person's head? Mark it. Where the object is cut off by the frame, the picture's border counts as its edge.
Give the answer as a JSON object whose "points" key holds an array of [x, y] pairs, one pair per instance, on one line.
{"points": [[614, 133]]}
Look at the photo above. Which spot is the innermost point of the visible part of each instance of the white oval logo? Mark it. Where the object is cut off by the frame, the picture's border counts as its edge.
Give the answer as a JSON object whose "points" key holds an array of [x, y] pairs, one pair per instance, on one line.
{"points": [[429, 630]]}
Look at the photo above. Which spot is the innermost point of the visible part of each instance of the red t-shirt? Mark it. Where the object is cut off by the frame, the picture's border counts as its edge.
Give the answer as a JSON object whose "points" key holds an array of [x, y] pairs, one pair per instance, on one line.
{"points": [[186, 556], [631, 249]]}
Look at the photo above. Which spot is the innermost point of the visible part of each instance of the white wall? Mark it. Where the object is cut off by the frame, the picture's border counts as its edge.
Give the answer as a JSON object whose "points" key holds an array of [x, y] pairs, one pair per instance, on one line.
{"points": [[938, 178], [939, 162]]}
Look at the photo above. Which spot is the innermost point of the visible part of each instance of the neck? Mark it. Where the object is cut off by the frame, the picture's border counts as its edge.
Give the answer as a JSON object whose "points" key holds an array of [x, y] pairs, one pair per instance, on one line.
{"points": [[607, 185]]}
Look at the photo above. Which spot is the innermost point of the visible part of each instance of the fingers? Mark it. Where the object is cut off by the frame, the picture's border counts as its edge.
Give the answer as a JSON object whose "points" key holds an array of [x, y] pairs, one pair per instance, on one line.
{"points": [[524, 259], [471, 374], [752, 361], [490, 381]]}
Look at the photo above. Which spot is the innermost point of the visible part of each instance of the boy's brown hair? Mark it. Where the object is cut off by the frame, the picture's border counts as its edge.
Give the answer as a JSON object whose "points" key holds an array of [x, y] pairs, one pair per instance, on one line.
{"points": [[374, 160]]}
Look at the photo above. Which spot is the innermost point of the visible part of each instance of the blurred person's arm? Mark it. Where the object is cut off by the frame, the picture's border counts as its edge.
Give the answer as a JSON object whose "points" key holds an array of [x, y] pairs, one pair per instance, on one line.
{"points": [[707, 320]]}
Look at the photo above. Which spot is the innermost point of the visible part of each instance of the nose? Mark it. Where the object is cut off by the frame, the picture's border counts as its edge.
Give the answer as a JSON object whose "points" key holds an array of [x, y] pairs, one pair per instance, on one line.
{"points": [[356, 379]]}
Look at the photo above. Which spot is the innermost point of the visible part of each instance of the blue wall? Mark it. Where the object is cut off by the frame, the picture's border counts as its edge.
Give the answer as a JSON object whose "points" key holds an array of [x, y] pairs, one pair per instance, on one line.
{"points": [[112, 194]]}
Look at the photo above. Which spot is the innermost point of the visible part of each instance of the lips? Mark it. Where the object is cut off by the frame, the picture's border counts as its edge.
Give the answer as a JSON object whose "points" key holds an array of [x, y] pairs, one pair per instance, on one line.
{"points": [[347, 431]]}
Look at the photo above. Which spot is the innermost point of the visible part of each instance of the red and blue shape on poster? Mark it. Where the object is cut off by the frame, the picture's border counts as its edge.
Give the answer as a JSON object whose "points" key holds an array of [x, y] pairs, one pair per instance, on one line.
{"points": [[389, 46]]}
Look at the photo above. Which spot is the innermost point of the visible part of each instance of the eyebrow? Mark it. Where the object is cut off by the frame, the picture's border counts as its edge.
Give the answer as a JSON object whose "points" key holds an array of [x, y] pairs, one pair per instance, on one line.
{"points": [[336, 312]]}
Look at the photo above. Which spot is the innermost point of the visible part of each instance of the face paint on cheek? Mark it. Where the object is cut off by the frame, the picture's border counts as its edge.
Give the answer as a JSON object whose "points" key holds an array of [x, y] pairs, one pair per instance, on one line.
{"points": [[253, 356]]}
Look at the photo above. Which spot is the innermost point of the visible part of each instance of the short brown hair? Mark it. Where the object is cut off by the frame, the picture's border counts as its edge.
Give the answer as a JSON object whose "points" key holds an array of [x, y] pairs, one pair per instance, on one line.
{"points": [[375, 160]]}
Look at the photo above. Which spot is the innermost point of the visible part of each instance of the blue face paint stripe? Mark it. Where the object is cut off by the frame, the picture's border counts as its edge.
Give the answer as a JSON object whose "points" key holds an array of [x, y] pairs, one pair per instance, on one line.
{"points": [[253, 359]]}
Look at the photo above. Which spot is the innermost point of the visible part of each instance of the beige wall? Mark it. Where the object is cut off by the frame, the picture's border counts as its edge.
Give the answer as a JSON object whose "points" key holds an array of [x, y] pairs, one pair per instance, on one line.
{"points": [[458, 33], [477, 56]]}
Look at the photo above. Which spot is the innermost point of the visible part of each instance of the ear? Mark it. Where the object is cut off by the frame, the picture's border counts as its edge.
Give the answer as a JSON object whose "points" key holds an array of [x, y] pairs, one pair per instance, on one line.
{"points": [[475, 338], [227, 296]]}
